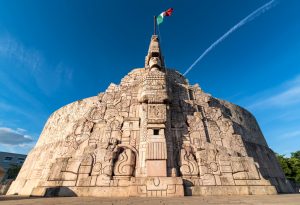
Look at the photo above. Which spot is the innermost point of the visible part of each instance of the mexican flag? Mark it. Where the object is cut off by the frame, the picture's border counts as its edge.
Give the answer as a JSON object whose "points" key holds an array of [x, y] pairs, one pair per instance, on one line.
{"points": [[161, 16]]}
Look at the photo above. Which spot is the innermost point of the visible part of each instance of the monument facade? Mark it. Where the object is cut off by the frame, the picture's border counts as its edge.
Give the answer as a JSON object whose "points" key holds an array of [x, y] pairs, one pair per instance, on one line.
{"points": [[152, 135]]}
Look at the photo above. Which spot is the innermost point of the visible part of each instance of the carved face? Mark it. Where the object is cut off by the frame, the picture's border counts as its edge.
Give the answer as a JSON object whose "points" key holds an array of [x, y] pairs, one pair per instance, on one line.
{"points": [[154, 62]]}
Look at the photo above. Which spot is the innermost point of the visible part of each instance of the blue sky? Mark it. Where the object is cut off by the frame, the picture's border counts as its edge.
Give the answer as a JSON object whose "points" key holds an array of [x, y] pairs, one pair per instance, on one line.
{"points": [[55, 52]]}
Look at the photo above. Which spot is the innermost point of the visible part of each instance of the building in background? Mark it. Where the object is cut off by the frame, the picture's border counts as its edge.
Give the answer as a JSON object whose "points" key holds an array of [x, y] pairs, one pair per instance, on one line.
{"points": [[9, 160]]}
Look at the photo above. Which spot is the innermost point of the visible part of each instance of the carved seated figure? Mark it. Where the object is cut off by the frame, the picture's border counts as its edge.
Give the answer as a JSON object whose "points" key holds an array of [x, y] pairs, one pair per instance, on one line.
{"points": [[104, 156], [96, 113]]}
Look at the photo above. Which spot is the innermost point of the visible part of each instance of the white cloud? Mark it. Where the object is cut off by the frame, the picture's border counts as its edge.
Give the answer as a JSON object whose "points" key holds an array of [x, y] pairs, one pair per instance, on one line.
{"points": [[278, 112], [48, 77], [9, 108], [13, 137], [287, 94], [291, 134], [21, 130], [15, 51]]}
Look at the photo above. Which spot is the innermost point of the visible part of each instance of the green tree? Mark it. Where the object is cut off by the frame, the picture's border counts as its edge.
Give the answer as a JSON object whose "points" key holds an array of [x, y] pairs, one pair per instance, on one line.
{"points": [[296, 154], [295, 167], [291, 166], [13, 171], [283, 161]]}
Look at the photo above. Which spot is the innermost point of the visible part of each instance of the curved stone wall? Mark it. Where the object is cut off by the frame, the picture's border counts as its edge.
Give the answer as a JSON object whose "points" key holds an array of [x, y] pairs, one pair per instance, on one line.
{"points": [[152, 135], [257, 147]]}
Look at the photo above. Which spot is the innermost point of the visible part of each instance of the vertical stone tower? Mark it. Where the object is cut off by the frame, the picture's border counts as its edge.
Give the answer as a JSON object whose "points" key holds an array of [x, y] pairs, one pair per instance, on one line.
{"points": [[153, 97], [151, 135]]}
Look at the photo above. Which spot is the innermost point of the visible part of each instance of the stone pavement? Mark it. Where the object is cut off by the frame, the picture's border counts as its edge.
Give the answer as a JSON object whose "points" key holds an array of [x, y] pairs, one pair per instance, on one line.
{"points": [[286, 199]]}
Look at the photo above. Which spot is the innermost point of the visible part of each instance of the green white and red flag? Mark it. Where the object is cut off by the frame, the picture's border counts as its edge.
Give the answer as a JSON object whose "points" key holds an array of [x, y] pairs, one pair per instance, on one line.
{"points": [[160, 18]]}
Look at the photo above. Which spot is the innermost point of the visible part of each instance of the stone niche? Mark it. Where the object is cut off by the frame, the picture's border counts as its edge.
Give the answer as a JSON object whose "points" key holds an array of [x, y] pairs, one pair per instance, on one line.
{"points": [[153, 135]]}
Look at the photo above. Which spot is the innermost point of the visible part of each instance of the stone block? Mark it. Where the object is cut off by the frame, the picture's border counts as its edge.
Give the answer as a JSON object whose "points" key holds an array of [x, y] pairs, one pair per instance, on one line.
{"points": [[225, 169], [103, 181], [262, 190], [38, 191], [237, 166], [93, 180], [240, 175], [225, 163], [218, 180], [156, 168], [227, 179], [203, 170], [261, 182], [164, 186], [219, 190], [68, 183], [85, 169], [208, 179], [68, 176], [83, 180], [240, 182]]}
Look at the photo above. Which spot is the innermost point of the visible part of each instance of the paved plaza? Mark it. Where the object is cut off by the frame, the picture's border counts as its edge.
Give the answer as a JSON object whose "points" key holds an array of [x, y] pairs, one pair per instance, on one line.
{"points": [[287, 199]]}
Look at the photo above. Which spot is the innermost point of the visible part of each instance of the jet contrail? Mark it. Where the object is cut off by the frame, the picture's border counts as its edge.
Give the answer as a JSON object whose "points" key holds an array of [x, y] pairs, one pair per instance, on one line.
{"points": [[249, 18]]}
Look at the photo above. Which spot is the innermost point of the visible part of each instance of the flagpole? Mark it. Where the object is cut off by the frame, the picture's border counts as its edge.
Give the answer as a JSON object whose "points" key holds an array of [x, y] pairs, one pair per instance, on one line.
{"points": [[154, 25]]}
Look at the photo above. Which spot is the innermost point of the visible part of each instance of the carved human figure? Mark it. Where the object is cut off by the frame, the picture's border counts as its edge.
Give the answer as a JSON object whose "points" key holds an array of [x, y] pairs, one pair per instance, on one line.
{"points": [[214, 132], [154, 63], [111, 114], [195, 122], [97, 133], [104, 154], [81, 133], [115, 128], [196, 129], [125, 103], [96, 113]]}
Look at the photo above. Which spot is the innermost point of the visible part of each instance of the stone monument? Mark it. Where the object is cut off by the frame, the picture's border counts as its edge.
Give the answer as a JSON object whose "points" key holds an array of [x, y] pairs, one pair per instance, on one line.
{"points": [[152, 135]]}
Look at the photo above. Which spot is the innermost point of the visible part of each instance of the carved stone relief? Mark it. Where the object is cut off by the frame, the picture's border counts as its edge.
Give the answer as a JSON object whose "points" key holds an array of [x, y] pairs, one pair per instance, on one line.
{"points": [[189, 166], [125, 163], [110, 144]]}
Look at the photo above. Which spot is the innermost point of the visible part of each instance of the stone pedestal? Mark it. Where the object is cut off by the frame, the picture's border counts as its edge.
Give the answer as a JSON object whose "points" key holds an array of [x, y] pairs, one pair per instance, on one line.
{"points": [[156, 168]]}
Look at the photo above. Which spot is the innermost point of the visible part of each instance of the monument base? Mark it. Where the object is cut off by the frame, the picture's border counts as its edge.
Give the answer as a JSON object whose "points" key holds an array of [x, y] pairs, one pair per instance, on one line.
{"points": [[152, 187], [229, 190], [143, 187]]}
